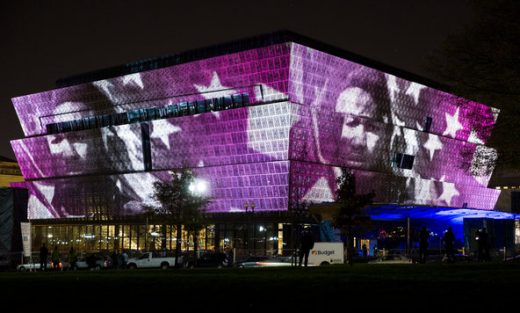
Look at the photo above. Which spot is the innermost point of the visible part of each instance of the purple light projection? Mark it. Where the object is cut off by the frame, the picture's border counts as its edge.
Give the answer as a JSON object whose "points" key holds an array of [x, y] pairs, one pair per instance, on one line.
{"points": [[310, 113], [358, 117]]}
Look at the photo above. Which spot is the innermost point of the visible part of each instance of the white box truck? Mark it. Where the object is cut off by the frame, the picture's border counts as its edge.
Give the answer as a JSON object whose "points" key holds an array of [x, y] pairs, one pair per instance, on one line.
{"points": [[326, 253]]}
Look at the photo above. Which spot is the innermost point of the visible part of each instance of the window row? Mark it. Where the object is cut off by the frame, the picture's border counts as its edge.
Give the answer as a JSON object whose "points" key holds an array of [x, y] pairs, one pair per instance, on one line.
{"points": [[147, 114]]}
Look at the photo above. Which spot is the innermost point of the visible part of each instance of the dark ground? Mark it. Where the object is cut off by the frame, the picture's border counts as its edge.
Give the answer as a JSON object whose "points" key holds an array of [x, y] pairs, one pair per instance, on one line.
{"points": [[413, 287]]}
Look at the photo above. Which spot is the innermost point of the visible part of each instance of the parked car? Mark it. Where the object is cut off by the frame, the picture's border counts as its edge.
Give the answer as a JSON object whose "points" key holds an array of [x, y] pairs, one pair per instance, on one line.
{"points": [[208, 259], [92, 262], [513, 259], [393, 259], [35, 266], [152, 260], [265, 261]]}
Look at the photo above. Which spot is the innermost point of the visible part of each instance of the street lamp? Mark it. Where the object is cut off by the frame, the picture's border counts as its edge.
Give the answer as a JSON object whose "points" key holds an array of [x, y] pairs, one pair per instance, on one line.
{"points": [[249, 214]]}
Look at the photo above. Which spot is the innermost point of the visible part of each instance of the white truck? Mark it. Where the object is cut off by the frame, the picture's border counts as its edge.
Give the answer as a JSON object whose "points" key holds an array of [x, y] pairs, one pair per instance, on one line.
{"points": [[151, 260], [326, 253]]}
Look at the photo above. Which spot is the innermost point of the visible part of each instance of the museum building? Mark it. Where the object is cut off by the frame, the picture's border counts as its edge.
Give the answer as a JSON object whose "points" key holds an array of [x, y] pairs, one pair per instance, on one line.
{"points": [[266, 123]]}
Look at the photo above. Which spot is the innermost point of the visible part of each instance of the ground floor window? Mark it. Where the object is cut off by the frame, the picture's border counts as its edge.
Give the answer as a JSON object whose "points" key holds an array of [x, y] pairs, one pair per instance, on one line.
{"points": [[246, 239]]}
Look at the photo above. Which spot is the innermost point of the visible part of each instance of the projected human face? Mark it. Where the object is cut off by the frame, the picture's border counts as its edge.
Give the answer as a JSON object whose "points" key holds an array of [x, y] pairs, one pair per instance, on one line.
{"points": [[359, 137]]}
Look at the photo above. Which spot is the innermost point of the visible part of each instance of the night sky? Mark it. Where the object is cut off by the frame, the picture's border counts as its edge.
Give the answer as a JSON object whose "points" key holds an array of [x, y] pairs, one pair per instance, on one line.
{"points": [[46, 40]]}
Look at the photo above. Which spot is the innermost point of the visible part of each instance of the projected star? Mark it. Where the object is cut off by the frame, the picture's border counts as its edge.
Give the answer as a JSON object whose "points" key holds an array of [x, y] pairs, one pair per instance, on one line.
{"points": [[81, 150], [414, 90], [452, 124], [216, 86], [133, 79], [320, 191], [162, 129], [473, 137], [432, 144], [105, 87], [448, 192]]}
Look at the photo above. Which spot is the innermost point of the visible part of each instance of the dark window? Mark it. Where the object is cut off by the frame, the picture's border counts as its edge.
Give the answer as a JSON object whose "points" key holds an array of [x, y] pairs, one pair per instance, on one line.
{"points": [[52, 128], [219, 104], [404, 161], [151, 113], [237, 100], [210, 104], [192, 107], [85, 123], [515, 201], [183, 108], [106, 120], [172, 110], [228, 103], [147, 155], [201, 106], [427, 123], [66, 126], [91, 122], [133, 116], [121, 118], [245, 99]]}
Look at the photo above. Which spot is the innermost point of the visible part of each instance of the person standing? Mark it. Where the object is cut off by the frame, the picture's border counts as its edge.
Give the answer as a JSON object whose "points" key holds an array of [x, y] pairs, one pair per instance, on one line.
{"points": [[307, 243], [449, 243], [482, 245], [72, 258], [44, 253], [124, 259], [423, 245], [55, 258]]}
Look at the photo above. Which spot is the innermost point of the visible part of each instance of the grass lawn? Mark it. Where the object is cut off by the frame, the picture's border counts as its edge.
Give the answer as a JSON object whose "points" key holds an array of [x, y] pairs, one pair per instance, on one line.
{"points": [[412, 287]]}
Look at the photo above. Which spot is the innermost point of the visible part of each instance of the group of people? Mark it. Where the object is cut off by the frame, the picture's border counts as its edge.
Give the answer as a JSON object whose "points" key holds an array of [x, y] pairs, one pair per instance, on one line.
{"points": [[449, 245], [117, 260], [448, 240], [55, 258]]}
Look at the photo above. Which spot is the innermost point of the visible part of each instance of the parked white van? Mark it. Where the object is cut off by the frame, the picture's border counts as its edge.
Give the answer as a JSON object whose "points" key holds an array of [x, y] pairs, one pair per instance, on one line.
{"points": [[326, 253]]}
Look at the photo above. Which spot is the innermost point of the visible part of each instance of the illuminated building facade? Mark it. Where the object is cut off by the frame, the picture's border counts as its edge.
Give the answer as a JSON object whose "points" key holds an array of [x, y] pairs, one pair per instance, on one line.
{"points": [[268, 120]]}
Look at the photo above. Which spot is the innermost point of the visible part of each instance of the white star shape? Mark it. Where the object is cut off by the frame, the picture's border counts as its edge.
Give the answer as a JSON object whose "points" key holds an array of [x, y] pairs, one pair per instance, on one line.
{"points": [[81, 149], [452, 124], [133, 79], [162, 129], [432, 144], [105, 87], [414, 90], [320, 192], [218, 90], [474, 138], [448, 192]]}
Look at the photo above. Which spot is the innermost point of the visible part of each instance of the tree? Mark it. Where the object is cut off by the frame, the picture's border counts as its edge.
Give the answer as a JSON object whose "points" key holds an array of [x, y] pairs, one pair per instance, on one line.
{"points": [[351, 207], [481, 63], [181, 202]]}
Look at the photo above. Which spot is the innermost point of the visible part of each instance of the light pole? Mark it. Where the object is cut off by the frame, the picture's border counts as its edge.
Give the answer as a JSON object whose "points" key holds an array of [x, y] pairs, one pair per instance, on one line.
{"points": [[249, 214]]}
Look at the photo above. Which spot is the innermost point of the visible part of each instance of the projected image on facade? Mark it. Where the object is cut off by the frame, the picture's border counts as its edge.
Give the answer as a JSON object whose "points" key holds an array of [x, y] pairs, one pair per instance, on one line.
{"points": [[270, 125]]}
